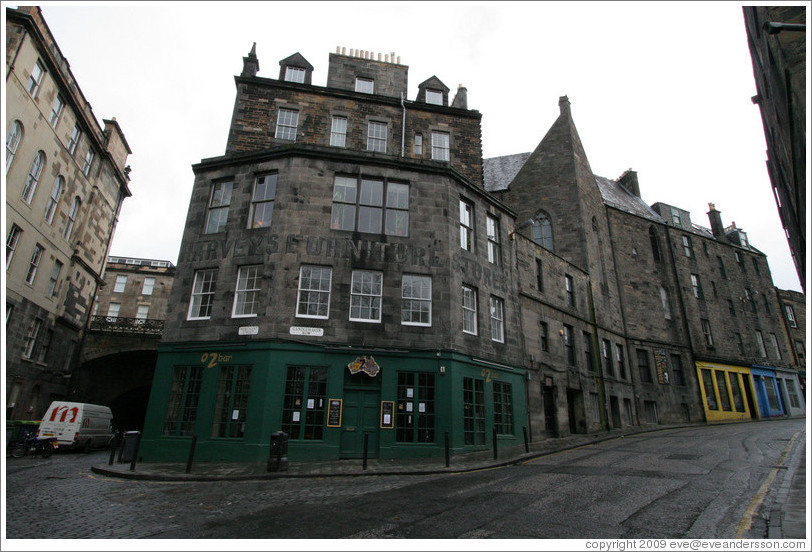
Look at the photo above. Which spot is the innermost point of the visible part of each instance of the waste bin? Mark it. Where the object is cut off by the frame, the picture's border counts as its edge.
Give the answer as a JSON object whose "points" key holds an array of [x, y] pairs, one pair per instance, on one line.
{"points": [[129, 446], [278, 458]]}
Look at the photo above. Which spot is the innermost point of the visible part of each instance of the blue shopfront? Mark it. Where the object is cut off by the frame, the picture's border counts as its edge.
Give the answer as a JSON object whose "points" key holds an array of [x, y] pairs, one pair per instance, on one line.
{"points": [[767, 393]]}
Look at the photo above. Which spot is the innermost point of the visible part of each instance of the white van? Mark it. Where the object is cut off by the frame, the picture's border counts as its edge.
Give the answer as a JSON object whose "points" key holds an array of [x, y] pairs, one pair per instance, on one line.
{"points": [[79, 426]]}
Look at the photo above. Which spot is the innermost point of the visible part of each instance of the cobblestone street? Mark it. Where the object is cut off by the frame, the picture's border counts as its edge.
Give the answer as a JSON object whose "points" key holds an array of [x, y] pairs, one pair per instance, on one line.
{"points": [[93, 506]]}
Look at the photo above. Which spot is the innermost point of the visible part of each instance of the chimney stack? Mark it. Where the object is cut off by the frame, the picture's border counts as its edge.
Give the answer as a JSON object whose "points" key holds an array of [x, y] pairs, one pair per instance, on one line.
{"points": [[564, 105], [629, 181], [250, 63], [461, 99], [715, 218]]}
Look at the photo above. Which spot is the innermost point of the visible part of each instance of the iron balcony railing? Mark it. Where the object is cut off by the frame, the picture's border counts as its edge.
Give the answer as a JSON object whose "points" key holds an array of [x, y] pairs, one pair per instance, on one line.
{"points": [[118, 324]]}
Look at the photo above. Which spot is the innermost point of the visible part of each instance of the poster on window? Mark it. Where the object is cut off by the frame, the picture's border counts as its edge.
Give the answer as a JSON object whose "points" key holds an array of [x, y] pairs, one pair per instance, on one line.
{"points": [[387, 414]]}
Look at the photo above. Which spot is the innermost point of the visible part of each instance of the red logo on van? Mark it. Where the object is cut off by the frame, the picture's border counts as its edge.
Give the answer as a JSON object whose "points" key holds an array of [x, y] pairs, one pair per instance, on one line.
{"points": [[64, 409]]}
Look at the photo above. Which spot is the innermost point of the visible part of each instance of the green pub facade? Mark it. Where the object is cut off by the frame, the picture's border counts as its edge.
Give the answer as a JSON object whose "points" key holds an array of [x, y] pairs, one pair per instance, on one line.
{"points": [[343, 277]]}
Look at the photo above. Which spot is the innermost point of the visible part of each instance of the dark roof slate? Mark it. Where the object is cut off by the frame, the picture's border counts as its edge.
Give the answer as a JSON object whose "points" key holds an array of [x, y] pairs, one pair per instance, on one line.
{"points": [[499, 172]]}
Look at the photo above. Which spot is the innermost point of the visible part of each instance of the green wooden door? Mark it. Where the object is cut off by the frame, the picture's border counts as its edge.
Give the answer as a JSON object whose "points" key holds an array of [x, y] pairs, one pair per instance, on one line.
{"points": [[361, 416]]}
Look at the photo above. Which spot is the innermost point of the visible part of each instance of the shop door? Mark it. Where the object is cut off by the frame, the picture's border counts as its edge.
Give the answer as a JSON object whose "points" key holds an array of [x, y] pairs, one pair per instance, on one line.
{"points": [[361, 416]]}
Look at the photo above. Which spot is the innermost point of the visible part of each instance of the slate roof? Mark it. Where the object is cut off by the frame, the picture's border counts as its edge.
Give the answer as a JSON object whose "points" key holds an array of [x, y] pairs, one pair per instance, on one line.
{"points": [[499, 172], [615, 195]]}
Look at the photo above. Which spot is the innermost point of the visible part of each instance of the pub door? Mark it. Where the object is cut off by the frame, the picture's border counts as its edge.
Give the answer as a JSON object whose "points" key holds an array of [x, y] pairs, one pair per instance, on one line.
{"points": [[362, 414]]}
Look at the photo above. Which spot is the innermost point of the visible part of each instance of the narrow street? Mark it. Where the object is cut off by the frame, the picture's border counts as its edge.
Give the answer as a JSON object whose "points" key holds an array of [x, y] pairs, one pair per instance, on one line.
{"points": [[697, 482]]}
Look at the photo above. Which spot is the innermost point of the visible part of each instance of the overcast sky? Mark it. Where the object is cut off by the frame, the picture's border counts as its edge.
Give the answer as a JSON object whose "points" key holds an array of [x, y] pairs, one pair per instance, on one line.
{"points": [[662, 88]]}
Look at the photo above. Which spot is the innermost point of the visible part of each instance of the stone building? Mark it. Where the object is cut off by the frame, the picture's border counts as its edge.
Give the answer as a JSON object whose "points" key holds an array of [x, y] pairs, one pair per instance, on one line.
{"points": [[776, 36], [354, 274], [118, 353], [66, 179]]}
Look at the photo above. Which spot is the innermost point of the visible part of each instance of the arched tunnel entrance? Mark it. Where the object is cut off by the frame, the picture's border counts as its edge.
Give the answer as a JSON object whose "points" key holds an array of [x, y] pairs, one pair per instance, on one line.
{"points": [[122, 381]]}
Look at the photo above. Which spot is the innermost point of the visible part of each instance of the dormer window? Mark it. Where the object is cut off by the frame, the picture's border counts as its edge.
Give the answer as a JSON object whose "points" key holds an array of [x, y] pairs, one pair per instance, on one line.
{"points": [[295, 74], [366, 86], [434, 97]]}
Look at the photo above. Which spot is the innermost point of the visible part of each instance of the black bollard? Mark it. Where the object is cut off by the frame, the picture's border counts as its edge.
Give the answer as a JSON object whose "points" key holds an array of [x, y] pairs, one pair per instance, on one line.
{"points": [[495, 452], [191, 454], [526, 442], [447, 451], [112, 455], [135, 451]]}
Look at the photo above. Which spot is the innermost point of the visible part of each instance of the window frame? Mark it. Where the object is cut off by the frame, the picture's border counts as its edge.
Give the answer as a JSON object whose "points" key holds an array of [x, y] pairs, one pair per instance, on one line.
{"points": [[496, 310], [364, 85], [362, 300], [492, 231], [120, 284], [707, 332], [440, 146], [222, 205], [13, 140], [295, 74], [72, 214], [53, 199], [33, 264], [434, 96], [644, 366], [35, 78], [503, 408], [287, 124], [75, 137], [31, 337], [467, 226], [569, 287], [90, 156], [200, 299], [569, 345], [232, 401], [318, 292], [357, 207], [304, 384], [416, 414], [148, 289], [34, 174], [270, 182], [338, 136], [57, 108], [422, 298], [469, 310], [377, 136], [244, 296], [789, 313], [12, 241], [182, 404]]}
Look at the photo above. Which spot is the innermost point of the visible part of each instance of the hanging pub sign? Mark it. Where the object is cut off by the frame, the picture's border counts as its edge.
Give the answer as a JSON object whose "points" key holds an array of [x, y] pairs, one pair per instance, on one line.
{"points": [[365, 365]]}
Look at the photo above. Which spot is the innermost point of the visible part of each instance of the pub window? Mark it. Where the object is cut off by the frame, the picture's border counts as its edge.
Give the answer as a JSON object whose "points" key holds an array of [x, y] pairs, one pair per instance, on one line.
{"points": [[502, 408], [231, 408], [415, 419], [473, 411], [184, 395], [304, 403]]}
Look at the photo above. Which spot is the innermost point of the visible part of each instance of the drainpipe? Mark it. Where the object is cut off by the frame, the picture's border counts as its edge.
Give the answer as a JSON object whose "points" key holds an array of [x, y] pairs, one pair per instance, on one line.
{"points": [[403, 125]]}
